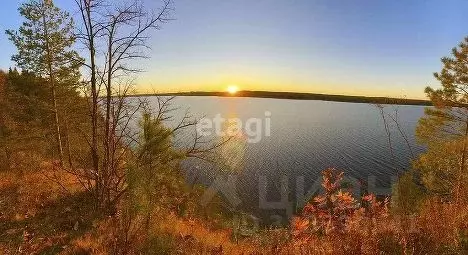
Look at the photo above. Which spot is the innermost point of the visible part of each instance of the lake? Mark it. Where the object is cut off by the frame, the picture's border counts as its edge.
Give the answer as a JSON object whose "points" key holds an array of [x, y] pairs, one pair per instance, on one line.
{"points": [[271, 177]]}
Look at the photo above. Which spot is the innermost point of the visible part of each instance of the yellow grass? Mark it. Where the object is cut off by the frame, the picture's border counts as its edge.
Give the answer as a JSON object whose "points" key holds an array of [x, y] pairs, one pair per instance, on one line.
{"points": [[38, 216]]}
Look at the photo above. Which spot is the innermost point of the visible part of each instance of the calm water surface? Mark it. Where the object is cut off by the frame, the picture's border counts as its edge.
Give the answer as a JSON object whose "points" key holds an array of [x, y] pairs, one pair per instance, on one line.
{"points": [[306, 138]]}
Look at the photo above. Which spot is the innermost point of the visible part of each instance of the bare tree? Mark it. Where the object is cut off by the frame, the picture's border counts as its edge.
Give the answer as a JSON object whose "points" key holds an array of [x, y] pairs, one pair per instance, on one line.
{"points": [[114, 33], [126, 29], [395, 118], [381, 109], [88, 34]]}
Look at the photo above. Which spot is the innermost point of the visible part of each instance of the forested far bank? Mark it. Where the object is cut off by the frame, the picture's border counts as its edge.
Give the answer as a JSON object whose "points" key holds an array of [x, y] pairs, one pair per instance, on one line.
{"points": [[300, 96]]}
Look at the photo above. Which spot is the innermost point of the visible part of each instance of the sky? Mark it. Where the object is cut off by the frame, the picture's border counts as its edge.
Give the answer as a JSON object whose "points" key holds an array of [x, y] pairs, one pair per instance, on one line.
{"points": [[365, 47]]}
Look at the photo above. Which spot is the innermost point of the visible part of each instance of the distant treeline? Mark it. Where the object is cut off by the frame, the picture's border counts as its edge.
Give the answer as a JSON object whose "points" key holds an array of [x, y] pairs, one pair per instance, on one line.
{"points": [[303, 96]]}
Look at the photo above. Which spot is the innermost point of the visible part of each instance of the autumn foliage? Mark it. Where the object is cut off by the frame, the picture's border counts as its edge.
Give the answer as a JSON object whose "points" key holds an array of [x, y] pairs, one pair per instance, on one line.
{"points": [[335, 222], [334, 210]]}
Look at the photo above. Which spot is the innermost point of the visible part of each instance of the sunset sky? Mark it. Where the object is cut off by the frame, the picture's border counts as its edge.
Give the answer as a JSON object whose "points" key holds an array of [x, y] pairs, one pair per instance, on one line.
{"points": [[368, 47]]}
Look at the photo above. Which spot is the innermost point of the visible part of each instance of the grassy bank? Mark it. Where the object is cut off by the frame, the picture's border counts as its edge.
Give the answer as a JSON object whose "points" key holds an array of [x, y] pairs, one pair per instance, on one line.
{"points": [[39, 216]]}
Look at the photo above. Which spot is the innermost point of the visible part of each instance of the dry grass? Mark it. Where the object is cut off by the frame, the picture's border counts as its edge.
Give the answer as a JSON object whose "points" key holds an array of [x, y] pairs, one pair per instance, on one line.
{"points": [[200, 239], [38, 216]]}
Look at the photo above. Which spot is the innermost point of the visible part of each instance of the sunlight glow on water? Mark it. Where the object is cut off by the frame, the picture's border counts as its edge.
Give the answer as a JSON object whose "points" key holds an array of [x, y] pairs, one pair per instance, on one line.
{"points": [[306, 138]]}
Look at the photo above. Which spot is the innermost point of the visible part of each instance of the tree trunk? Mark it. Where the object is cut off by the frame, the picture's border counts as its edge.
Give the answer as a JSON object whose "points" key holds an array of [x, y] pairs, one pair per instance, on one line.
{"points": [[67, 137], [57, 122], [94, 117], [54, 92], [109, 145]]}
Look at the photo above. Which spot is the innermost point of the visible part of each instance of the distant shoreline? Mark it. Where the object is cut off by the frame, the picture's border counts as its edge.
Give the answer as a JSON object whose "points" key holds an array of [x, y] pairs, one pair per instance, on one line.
{"points": [[300, 96]]}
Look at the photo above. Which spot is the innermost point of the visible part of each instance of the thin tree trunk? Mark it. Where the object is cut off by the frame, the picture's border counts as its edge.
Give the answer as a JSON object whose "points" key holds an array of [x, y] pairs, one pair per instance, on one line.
{"points": [[108, 140], [94, 95], [67, 137], [389, 138], [402, 133], [57, 122], [54, 92]]}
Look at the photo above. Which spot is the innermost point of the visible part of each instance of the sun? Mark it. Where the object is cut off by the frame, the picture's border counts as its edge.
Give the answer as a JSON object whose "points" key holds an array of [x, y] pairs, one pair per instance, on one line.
{"points": [[232, 89]]}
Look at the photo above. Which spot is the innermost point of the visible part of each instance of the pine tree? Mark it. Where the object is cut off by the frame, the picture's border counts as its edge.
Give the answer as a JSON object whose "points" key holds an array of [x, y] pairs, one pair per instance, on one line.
{"points": [[445, 126], [44, 43]]}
